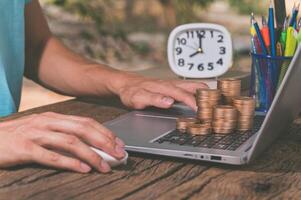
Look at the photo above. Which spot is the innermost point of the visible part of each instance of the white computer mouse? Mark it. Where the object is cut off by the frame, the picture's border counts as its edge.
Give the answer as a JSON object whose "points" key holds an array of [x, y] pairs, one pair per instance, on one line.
{"points": [[113, 162]]}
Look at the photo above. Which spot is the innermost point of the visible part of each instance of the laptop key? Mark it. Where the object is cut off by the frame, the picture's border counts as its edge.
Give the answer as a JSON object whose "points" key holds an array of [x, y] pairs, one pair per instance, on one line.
{"points": [[206, 145], [181, 141], [193, 142], [232, 148], [168, 135], [196, 140], [229, 142], [220, 146], [160, 141]]}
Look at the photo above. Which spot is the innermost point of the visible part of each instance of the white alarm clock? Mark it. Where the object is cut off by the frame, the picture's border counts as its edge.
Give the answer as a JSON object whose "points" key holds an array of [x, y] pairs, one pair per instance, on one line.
{"points": [[200, 50]]}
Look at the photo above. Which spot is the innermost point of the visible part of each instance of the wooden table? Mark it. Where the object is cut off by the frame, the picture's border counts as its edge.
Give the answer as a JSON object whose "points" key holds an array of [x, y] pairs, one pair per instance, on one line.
{"points": [[274, 175]]}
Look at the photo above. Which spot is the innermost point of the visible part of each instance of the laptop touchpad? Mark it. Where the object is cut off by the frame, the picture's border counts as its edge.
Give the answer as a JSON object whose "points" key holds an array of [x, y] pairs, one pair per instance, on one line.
{"points": [[141, 127]]}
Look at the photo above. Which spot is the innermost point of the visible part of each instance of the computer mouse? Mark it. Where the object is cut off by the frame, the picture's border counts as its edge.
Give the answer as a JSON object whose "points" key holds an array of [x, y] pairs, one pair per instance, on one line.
{"points": [[113, 162]]}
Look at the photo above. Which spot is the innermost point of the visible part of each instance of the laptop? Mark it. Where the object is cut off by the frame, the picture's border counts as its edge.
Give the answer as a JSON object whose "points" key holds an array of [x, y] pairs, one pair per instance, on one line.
{"points": [[153, 131]]}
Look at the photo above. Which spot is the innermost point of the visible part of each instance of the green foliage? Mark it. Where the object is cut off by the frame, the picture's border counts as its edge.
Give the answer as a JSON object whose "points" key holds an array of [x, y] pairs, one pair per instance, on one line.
{"points": [[142, 48], [248, 6], [185, 10], [115, 18], [103, 12], [98, 11]]}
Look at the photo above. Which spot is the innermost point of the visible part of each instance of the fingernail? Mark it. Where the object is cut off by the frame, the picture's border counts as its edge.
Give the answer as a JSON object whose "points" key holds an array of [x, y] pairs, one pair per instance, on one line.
{"points": [[105, 167], [120, 151], [168, 100], [119, 142], [85, 168], [195, 108]]}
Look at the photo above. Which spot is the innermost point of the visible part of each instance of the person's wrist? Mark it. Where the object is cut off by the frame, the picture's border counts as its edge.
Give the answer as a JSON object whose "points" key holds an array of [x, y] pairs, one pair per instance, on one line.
{"points": [[119, 80], [111, 79]]}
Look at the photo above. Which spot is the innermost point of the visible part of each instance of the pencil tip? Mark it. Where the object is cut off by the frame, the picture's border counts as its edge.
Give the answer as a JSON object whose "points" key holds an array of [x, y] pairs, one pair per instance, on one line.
{"points": [[271, 3], [264, 21], [252, 16]]}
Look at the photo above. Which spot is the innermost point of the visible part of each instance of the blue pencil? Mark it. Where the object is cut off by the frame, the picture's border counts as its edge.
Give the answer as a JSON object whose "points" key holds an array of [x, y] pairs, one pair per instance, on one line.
{"points": [[272, 29], [261, 41], [293, 21]]}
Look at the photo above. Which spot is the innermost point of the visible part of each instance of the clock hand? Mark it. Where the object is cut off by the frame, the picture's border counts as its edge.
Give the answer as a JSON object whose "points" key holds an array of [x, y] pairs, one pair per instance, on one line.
{"points": [[200, 49], [194, 54]]}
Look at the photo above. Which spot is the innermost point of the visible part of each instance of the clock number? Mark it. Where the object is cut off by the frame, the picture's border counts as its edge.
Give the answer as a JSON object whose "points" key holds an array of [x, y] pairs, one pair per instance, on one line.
{"points": [[190, 34], [210, 66], [201, 67], [190, 66], [221, 39], [182, 41], [201, 33], [179, 50], [222, 50], [220, 61], [181, 62], [212, 33]]}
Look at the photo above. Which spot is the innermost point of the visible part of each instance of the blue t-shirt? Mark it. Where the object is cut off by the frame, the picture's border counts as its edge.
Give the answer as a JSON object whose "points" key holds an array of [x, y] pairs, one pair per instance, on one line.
{"points": [[12, 51]]}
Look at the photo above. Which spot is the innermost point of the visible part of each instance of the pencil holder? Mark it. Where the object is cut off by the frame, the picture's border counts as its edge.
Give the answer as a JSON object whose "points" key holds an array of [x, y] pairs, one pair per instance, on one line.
{"points": [[266, 76]]}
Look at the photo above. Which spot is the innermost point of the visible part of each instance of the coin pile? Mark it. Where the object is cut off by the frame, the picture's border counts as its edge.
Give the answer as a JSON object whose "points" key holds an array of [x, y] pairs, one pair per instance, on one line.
{"points": [[184, 123], [229, 88], [237, 113], [206, 99], [224, 119], [246, 111], [199, 129]]}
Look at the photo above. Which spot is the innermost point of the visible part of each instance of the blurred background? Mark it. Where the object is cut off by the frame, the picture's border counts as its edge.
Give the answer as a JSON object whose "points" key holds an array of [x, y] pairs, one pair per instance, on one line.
{"points": [[132, 34]]}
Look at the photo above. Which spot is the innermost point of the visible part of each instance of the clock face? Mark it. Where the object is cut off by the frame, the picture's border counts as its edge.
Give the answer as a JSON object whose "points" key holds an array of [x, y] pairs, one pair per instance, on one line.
{"points": [[200, 50]]}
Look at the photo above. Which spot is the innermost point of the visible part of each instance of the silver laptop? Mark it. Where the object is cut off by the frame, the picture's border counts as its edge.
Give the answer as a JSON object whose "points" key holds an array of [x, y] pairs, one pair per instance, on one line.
{"points": [[153, 131]]}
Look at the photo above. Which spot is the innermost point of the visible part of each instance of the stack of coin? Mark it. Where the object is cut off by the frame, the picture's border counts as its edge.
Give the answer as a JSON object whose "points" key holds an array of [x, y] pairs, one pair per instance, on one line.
{"points": [[229, 88], [246, 110], [206, 99], [183, 123], [199, 129], [224, 119]]}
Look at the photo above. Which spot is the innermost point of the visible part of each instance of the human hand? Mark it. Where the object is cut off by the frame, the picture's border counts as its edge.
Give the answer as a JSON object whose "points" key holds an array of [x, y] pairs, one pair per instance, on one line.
{"points": [[139, 92], [39, 138]]}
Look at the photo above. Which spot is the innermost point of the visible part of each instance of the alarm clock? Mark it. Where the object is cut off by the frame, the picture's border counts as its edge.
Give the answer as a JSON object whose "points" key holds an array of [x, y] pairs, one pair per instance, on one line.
{"points": [[200, 50]]}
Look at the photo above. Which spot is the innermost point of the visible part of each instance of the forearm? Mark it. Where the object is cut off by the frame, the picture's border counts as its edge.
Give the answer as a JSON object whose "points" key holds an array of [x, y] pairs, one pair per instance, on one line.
{"points": [[51, 64], [66, 72]]}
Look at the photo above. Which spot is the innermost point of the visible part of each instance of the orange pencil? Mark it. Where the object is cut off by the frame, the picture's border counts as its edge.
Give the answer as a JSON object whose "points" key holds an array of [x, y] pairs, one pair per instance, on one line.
{"points": [[265, 34]]}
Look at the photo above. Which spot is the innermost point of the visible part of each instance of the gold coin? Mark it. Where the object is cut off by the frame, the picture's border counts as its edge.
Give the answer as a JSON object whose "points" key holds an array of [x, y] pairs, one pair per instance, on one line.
{"points": [[199, 129], [183, 123], [229, 88], [206, 99], [246, 109], [223, 131], [224, 123], [244, 99], [225, 110]]}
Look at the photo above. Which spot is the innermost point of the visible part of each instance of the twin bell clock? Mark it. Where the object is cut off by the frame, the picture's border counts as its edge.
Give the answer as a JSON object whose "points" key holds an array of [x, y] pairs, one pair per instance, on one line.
{"points": [[200, 50]]}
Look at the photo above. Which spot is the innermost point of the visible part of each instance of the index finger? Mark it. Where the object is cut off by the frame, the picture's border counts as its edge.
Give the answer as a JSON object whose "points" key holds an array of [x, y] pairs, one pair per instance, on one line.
{"points": [[190, 86], [177, 93]]}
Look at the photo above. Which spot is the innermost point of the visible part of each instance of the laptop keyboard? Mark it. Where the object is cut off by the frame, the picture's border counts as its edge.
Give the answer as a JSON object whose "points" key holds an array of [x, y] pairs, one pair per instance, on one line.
{"points": [[229, 142]]}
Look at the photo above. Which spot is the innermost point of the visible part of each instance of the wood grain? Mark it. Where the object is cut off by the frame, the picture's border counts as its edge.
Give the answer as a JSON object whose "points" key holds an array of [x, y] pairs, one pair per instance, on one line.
{"points": [[274, 175]]}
